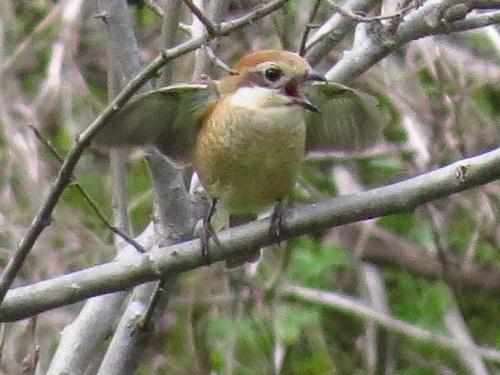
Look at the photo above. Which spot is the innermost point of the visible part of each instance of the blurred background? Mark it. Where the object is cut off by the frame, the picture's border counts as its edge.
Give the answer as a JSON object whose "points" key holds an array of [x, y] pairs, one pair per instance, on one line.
{"points": [[441, 99]]}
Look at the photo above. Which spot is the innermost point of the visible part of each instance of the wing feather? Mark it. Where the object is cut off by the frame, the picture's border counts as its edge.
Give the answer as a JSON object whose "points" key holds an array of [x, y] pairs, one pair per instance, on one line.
{"points": [[168, 118], [350, 120]]}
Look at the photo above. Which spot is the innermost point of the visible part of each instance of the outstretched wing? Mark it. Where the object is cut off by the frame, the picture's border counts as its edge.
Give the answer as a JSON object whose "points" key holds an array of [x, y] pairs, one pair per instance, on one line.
{"points": [[168, 118], [349, 120]]}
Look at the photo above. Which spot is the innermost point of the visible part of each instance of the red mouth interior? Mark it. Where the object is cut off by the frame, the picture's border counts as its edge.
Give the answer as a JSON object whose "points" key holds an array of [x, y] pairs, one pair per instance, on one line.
{"points": [[293, 91]]}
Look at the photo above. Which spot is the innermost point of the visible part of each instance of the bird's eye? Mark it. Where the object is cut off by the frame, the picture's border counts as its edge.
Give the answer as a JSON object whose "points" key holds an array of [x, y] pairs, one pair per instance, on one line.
{"points": [[273, 74]]}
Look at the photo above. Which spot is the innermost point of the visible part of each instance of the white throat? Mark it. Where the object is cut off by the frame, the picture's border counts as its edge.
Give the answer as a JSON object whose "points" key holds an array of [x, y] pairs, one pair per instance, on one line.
{"points": [[259, 97]]}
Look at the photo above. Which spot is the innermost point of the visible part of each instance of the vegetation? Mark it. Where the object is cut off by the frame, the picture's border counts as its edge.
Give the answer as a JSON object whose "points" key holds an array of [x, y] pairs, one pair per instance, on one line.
{"points": [[413, 290]]}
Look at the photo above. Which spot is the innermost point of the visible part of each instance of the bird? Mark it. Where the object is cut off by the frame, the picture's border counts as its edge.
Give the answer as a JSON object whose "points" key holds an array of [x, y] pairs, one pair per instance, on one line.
{"points": [[247, 133]]}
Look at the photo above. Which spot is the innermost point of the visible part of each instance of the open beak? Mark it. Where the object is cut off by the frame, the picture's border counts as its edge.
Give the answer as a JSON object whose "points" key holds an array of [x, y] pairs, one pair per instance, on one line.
{"points": [[292, 89], [313, 75], [303, 100]]}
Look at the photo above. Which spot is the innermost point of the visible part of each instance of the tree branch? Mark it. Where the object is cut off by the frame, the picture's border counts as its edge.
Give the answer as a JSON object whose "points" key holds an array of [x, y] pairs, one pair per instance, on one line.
{"points": [[429, 19], [209, 25], [400, 197], [333, 31], [351, 306], [43, 217]]}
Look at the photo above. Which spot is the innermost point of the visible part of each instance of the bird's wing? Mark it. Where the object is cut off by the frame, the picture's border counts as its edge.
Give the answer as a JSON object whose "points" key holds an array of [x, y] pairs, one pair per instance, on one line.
{"points": [[350, 120], [168, 118]]}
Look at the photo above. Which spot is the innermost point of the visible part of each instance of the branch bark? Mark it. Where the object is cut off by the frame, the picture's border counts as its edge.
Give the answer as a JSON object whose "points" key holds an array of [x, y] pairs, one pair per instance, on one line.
{"points": [[43, 217], [429, 19], [168, 261]]}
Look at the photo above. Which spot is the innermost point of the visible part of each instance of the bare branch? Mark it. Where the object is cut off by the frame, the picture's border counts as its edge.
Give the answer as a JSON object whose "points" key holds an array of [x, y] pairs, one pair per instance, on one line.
{"points": [[153, 5], [43, 217], [209, 25], [78, 343], [351, 306], [333, 31], [309, 26], [476, 21], [92, 204], [358, 18], [425, 21], [218, 62], [462, 336], [400, 197]]}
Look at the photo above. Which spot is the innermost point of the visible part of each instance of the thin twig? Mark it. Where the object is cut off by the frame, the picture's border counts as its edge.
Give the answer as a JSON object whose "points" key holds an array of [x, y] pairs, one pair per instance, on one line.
{"points": [[218, 62], [25, 45], [43, 217], [92, 204], [358, 18], [258, 13], [153, 303], [212, 29], [351, 306], [341, 156], [309, 27], [438, 235], [155, 7], [30, 361]]}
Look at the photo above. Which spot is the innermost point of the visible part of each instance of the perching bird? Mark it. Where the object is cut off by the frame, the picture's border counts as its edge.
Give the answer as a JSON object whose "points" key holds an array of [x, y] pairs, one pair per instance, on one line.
{"points": [[246, 134]]}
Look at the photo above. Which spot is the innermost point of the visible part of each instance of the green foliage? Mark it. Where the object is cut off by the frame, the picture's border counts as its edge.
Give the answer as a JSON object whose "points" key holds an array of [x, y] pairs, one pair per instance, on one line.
{"points": [[488, 99], [401, 224], [219, 323], [249, 337], [139, 187], [319, 261], [420, 301]]}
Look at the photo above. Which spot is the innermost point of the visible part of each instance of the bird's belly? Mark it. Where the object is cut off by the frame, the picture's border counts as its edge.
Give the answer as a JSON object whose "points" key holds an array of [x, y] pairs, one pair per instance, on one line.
{"points": [[249, 165]]}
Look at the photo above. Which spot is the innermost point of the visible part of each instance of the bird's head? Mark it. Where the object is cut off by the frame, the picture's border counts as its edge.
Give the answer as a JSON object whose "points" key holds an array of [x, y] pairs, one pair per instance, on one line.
{"points": [[281, 71]]}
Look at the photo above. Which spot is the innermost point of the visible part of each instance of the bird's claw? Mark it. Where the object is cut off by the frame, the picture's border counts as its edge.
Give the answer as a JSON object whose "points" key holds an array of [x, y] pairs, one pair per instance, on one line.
{"points": [[276, 226], [208, 232]]}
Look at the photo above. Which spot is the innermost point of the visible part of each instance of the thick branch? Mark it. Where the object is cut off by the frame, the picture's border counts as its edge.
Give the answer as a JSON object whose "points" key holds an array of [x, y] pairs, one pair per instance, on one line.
{"points": [[400, 197], [430, 19], [43, 217], [333, 31]]}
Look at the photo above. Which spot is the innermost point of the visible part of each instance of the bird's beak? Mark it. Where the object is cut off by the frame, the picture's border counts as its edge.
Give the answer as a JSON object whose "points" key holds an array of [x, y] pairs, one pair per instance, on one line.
{"points": [[303, 100], [313, 75]]}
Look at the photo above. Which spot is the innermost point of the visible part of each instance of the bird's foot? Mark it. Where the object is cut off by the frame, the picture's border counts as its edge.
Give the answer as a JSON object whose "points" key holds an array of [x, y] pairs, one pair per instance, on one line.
{"points": [[208, 233], [276, 225]]}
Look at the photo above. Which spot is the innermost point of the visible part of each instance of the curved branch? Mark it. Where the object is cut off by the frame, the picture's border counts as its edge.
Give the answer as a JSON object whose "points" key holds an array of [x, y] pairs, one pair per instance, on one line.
{"points": [[400, 197], [336, 301], [432, 18], [43, 217]]}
